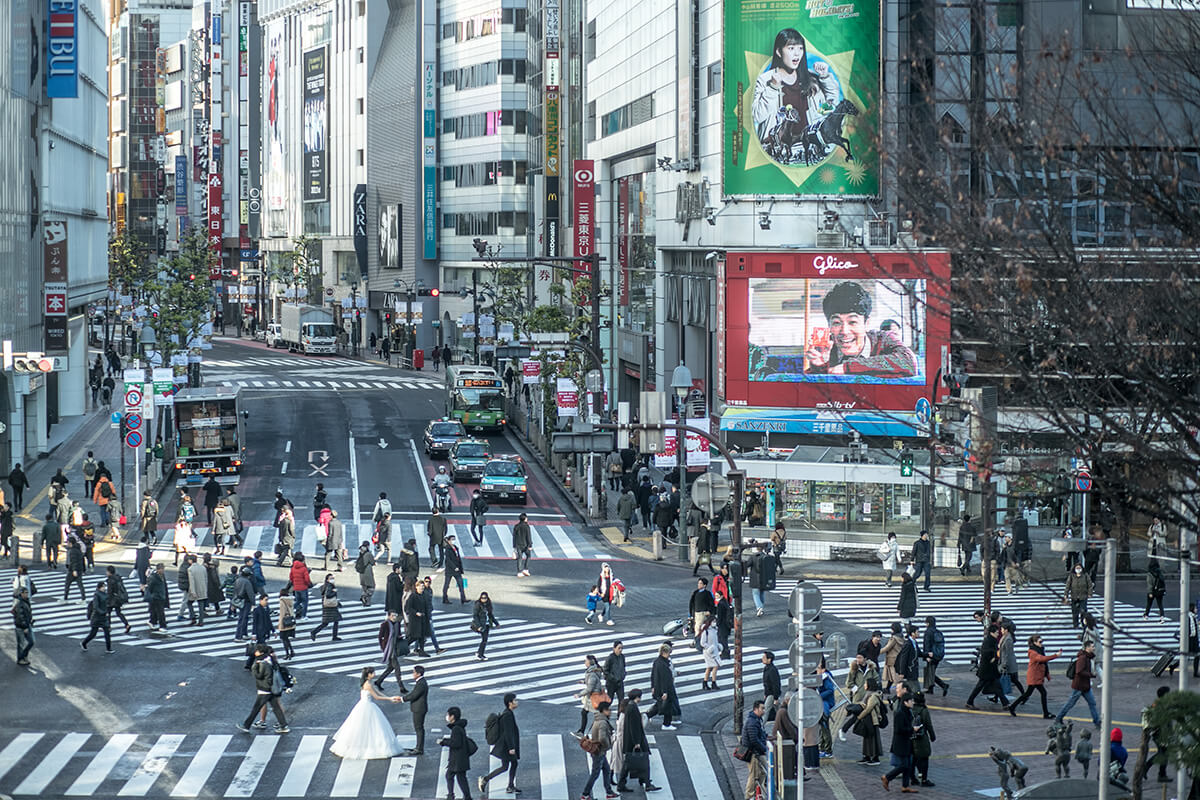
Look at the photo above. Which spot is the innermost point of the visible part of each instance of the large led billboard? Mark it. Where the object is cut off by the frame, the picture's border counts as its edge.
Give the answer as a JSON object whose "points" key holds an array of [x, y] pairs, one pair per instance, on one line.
{"points": [[834, 330], [801, 97]]}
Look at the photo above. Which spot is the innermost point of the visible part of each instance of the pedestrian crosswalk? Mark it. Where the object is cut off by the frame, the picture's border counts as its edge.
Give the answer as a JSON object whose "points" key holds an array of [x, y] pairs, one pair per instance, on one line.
{"points": [[1035, 609], [297, 362], [310, 384], [558, 649], [299, 764], [549, 541]]}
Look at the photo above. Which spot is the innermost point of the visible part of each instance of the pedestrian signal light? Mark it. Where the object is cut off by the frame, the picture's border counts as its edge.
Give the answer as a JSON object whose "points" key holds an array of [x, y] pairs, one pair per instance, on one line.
{"points": [[906, 464], [32, 362]]}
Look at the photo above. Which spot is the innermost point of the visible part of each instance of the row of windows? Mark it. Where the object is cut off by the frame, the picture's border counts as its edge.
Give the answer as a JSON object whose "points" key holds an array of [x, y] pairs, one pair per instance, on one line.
{"points": [[484, 74], [485, 123], [486, 174], [484, 24], [632, 113], [486, 223]]}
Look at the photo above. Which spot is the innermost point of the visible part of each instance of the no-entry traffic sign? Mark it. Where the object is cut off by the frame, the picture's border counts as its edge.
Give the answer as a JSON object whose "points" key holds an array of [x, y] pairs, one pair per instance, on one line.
{"points": [[1083, 481]]}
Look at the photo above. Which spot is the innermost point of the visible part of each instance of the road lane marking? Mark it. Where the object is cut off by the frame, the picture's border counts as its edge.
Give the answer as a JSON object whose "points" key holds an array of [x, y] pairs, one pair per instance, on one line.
{"points": [[201, 766], [552, 763], [354, 481], [304, 764], [250, 771], [144, 777], [564, 541], [421, 471], [400, 774], [12, 754], [349, 778], [283, 469], [37, 781], [287, 448], [704, 779], [102, 764]]}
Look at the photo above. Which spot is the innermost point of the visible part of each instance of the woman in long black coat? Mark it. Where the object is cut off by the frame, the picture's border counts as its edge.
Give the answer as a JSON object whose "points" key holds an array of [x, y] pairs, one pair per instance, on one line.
{"points": [[907, 608], [662, 688], [902, 748]]}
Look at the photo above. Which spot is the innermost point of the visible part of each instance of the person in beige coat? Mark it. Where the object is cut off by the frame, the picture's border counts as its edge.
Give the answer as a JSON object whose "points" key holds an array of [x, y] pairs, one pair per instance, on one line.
{"points": [[890, 650], [197, 593]]}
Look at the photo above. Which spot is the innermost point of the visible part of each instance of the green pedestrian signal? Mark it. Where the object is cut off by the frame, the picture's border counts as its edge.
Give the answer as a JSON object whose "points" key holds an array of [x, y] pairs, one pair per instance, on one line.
{"points": [[906, 464]]}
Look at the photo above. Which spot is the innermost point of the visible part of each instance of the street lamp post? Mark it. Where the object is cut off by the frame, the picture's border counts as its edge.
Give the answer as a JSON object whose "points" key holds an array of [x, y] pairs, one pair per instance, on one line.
{"points": [[409, 334], [681, 384]]}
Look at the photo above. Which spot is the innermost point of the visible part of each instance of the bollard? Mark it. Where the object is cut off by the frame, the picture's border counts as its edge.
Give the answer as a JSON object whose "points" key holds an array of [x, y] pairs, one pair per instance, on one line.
{"points": [[15, 543], [658, 545]]}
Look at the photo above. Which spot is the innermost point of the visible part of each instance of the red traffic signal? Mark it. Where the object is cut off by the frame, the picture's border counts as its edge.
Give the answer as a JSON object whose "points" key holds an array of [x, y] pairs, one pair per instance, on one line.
{"points": [[423, 292], [434, 292]]}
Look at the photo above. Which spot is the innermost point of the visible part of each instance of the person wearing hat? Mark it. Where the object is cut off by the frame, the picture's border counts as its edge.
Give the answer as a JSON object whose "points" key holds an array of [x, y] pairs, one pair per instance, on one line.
{"points": [[410, 562]]}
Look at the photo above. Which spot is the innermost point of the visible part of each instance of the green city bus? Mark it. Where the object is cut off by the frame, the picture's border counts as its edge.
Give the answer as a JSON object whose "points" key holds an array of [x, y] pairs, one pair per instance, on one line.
{"points": [[475, 397]]}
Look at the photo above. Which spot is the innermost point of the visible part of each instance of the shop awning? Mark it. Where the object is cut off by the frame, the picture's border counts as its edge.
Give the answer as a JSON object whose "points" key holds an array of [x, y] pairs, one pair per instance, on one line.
{"points": [[822, 421]]}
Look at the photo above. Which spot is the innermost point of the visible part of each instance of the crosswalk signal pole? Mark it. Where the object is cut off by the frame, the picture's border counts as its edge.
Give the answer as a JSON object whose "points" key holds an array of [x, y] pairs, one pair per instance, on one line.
{"points": [[1185, 591]]}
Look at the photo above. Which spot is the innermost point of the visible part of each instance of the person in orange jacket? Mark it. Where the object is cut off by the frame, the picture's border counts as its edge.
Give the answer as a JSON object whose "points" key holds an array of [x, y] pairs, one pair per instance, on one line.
{"points": [[103, 493]]}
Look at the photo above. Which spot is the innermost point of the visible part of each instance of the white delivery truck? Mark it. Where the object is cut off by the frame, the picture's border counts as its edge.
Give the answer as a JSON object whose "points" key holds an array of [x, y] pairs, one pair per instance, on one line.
{"points": [[308, 329]]}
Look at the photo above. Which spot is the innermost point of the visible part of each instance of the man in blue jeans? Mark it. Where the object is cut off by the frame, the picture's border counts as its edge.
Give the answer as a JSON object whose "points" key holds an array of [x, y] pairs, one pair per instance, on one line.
{"points": [[1081, 684], [763, 567]]}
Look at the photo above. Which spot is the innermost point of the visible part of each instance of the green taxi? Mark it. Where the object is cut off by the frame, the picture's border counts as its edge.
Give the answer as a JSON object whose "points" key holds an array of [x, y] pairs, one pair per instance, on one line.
{"points": [[468, 457], [503, 479]]}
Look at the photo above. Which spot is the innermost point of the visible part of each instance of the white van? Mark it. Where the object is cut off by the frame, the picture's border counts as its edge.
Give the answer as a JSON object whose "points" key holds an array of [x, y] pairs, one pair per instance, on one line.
{"points": [[274, 335]]}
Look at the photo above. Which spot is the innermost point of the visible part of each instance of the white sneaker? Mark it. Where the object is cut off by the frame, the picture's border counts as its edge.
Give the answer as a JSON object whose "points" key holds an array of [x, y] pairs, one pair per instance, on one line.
{"points": [[760, 612], [610, 622], [841, 736], [669, 727]]}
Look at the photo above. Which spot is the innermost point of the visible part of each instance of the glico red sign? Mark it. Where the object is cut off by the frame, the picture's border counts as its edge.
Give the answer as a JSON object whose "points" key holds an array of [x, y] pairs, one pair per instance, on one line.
{"points": [[850, 331]]}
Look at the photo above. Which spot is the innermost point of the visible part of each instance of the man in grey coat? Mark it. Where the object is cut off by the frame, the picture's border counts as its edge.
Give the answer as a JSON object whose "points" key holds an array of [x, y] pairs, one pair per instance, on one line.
{"points": [[335, 541], [197, 590], [522, 542], [436, 527]]}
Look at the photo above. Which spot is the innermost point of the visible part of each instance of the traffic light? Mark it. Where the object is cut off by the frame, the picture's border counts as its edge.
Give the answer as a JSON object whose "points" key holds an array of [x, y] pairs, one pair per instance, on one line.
{"points": [[906, 464], [32, 362], [423, 292]]}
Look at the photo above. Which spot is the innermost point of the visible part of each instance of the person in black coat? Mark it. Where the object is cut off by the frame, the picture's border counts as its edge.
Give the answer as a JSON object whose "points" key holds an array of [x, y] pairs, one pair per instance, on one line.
{"points": [[507, 748], [633, 739], [418, 703], [907, 607], [772, 685], [414, 612], [989, 667], [909, 658], [75, 567], [454, 570], [394, 601], [902, 750], [662, 688], [260, 624], [922, 555], [459, 760]]}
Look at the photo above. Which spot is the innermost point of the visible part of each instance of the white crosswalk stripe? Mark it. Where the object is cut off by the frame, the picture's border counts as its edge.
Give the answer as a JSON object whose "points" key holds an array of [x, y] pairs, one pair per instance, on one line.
{"points": [[244, 382], [1035, 609], [558, 649], [221, 765], [549, 541]]}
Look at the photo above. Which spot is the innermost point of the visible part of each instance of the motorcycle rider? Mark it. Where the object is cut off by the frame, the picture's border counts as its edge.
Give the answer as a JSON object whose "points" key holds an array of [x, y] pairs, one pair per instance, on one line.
{"points": [[441, 487]]}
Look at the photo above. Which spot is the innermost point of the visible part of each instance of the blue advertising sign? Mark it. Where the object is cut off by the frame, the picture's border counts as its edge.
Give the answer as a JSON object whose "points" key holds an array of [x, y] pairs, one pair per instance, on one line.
{"points": [[181, 198], [429, 216], [819, 420], [62, 40]]}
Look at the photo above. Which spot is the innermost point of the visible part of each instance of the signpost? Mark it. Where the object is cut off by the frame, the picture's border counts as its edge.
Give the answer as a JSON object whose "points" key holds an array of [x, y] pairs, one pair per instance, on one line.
{"points": [[1083, 485]]}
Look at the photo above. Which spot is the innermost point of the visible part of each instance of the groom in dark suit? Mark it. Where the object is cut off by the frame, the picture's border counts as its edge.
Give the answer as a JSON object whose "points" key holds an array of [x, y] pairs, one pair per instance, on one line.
{"points": [[418, 701]]}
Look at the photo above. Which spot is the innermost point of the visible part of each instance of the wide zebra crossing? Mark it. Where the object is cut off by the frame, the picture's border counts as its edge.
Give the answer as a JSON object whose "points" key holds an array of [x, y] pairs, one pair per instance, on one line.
{"points": [[559, 650], [549, 541], [298, 362], [299, 764], [1035, 609]]}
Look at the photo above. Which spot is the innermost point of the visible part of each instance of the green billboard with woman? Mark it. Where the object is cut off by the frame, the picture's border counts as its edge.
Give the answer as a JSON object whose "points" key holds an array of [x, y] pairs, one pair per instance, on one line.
{"points": [[801, 97]]}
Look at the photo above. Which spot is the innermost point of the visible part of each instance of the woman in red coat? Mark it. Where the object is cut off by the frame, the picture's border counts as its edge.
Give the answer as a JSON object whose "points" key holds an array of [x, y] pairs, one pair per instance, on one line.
{"points": [[1036, 675]]}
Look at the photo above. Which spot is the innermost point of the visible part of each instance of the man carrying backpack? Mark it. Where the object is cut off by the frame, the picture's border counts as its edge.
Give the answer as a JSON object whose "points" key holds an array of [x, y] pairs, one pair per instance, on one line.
{"points": [[1080, 673], [502, 734], [933, 645]]}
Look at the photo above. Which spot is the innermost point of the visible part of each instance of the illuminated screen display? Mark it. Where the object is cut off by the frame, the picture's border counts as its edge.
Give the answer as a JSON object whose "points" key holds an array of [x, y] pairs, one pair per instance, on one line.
{"points": [[835, 330], [481, 383]]}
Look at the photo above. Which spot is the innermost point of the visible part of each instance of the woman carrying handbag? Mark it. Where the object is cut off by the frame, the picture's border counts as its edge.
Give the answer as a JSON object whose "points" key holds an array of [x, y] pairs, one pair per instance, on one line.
{"points": [[592, 692], [329, 609]]}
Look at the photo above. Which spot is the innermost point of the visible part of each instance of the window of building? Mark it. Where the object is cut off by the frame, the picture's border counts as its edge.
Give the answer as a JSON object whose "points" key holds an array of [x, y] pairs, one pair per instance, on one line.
{"points": [[448, 29], [484, 24], [358, 157], [713, 78], [361, 104], [628, 115], [360, 55]]}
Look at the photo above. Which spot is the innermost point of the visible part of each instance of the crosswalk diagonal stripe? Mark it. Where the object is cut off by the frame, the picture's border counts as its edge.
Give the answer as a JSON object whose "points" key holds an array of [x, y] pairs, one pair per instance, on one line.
{"points": [[400, 774], [349, 778], [553, 766], [15, 750], [656, 768], [201, 766], [103, 762], [303, 765], [152, 766], [36, 781], [250, 771], [564, 541]]}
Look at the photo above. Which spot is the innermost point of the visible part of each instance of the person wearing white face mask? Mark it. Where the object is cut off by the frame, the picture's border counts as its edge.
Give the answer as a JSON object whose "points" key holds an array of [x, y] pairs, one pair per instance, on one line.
{"points": [[1078, 590]]}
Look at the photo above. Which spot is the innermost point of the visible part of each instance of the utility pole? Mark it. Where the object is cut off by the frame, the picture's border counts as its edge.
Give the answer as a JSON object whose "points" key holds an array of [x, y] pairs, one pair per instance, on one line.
{"points": [[475, 307], [1185, 591], [1106, 677]]}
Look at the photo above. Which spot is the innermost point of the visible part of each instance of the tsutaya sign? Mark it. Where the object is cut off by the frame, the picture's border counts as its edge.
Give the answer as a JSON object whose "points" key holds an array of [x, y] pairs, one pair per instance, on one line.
{"points": [[62, 45]]}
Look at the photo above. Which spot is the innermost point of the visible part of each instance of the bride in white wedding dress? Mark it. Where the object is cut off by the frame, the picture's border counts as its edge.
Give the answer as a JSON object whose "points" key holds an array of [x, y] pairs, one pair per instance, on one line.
{"points": [[366, 732]]}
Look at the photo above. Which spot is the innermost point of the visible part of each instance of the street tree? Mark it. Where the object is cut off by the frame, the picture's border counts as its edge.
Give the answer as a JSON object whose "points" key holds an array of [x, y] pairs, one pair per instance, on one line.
{"points": [[182, 294], [1176, 716], [1065, 181]]}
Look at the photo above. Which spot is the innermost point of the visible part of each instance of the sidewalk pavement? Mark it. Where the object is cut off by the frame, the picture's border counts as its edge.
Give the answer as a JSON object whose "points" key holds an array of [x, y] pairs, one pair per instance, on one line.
{"points": [[960, 766]]}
